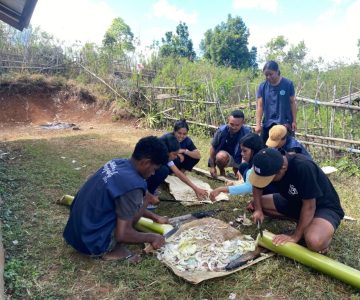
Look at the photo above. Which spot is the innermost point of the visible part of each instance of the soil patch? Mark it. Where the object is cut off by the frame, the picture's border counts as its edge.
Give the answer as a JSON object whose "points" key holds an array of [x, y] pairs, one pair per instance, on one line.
{"points": [[25, 108]]}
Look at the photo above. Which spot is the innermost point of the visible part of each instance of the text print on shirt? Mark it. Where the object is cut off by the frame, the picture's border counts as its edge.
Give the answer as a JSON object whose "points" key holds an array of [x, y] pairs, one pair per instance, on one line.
{"points": [[109, 170]]}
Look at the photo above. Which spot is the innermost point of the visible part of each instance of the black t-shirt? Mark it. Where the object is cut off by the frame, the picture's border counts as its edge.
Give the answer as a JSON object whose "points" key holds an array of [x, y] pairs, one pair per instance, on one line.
{"points": [[305, 180]]}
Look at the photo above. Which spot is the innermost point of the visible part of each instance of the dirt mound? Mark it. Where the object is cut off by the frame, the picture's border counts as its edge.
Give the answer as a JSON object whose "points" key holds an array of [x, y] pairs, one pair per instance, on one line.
{"points": [[39, 102]]}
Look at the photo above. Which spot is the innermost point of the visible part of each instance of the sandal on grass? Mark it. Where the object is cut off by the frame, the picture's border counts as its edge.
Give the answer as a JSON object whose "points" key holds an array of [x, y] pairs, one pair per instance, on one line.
{"points": [[131, 258]]}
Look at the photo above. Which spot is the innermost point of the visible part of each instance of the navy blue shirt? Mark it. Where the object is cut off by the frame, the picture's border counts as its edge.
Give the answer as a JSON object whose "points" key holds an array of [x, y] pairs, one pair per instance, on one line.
{"points": [[293, 145], [225, 141], [186, 143], [93, 212], [276, 102]]}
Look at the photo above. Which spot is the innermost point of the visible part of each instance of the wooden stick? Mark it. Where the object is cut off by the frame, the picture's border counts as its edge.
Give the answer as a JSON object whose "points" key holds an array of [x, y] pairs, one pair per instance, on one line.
{"points": [[351, 150], [102, 80], [328, 138], [332, 104]]}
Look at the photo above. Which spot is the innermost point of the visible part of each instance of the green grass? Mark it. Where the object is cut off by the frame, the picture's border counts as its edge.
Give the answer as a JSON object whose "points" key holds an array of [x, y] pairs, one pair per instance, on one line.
{"points": [[39, 265]]}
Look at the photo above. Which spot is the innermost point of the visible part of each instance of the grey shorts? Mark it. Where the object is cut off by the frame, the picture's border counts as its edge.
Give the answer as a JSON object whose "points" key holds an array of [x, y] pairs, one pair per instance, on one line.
{"points": [[292, 210]]}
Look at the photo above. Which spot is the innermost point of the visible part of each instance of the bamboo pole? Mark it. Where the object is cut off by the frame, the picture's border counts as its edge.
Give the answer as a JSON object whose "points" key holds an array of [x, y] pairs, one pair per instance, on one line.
{"points": [[190, 100], [332, 120], [248, 93], [331, 104], [328, 138], [312, 259], [350, 150], [317, 108], [102, 80], [193, 122], [352, 119]]}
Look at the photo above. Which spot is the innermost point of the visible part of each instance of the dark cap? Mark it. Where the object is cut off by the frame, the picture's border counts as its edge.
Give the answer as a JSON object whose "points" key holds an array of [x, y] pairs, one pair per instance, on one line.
{"points": [[252, 141], [266, 164]]}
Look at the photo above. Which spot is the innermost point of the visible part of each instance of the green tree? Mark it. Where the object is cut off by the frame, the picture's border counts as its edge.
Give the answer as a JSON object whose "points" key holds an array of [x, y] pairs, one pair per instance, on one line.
{"points": [[118, 38], [358, 44], [275, 48], [280, 50], [296, 53], [227, 45], [179, 44]]}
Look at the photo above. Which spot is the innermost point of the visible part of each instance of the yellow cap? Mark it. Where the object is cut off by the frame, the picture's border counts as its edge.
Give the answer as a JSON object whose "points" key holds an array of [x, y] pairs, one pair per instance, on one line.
{"points": [[276, 134]]}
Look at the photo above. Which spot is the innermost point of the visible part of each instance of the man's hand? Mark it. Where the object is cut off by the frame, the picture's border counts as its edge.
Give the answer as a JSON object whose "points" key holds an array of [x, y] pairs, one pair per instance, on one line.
{"points": [[201, 193], [250, 206], [214, 194], [151, 199], [282, 239], [239, 176], [213, 172], [258, 216], [181, 157], [158, 241], [293, 126], [162, 219], [257, 129]]}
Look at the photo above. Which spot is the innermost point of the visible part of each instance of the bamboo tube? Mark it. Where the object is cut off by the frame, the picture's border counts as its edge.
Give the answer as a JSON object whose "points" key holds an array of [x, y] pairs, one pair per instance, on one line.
{"points": [[151, 226], [312, 259], [65, 200], [142, 228]]}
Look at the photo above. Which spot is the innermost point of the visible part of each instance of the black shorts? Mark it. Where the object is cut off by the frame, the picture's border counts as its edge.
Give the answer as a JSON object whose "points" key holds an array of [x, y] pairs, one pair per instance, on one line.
{"points": [[292, 210]]}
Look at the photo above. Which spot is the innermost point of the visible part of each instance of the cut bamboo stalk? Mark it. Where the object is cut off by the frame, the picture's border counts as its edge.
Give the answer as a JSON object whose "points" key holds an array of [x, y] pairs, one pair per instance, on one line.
{"points": [[65, 200], [152, 226], [312, 259]]}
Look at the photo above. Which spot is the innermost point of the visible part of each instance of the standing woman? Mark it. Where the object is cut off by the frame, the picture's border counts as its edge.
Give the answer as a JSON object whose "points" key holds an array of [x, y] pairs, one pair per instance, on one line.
{"points": [[188, 155], [276, 102]]}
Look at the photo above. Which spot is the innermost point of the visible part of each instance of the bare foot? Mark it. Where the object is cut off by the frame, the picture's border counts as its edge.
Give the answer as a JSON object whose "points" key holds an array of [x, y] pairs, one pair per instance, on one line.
{"points": [[120, 252]]}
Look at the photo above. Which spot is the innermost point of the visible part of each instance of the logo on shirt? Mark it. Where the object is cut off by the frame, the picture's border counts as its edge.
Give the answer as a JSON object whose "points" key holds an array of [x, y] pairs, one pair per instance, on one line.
{"points": [[292, 190], [109, 170], [257, 170], [282, 92]]}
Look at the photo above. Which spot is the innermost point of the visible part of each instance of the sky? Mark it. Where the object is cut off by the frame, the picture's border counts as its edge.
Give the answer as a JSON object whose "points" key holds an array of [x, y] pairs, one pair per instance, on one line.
{"points": [[328, 27]]}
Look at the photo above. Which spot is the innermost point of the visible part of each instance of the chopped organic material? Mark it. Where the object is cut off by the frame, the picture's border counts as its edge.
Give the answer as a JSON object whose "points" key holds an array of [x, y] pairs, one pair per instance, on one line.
{"points": [[244, 220], [202, 249]]}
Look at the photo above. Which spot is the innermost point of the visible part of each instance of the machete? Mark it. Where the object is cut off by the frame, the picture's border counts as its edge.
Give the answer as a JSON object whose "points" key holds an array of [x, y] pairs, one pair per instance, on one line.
{"points": [[244, 259], [194, 216]]}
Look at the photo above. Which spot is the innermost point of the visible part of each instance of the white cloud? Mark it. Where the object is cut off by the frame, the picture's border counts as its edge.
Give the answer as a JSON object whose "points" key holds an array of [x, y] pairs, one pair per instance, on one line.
{"points": [[70, 21], [163, 9], [352, 17], [329, 43], [327, 14], [267, 5], [333, 38]]}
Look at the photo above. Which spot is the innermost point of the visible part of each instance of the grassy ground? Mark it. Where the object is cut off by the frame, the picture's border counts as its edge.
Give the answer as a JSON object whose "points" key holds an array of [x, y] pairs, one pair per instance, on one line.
{"points": [[39, 265]]}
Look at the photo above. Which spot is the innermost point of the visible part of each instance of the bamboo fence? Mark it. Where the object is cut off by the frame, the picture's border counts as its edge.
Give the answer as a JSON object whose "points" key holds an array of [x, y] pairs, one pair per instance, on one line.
{"points": [[326, 126]]}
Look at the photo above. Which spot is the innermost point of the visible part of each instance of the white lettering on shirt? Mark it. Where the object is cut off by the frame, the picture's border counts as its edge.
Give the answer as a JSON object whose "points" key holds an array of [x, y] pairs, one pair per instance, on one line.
{"points": [[109, 170]]}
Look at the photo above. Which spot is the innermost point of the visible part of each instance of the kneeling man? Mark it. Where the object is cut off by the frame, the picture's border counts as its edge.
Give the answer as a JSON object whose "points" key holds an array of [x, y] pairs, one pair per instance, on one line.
{"points": [[305, 195], [112, 200]]}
